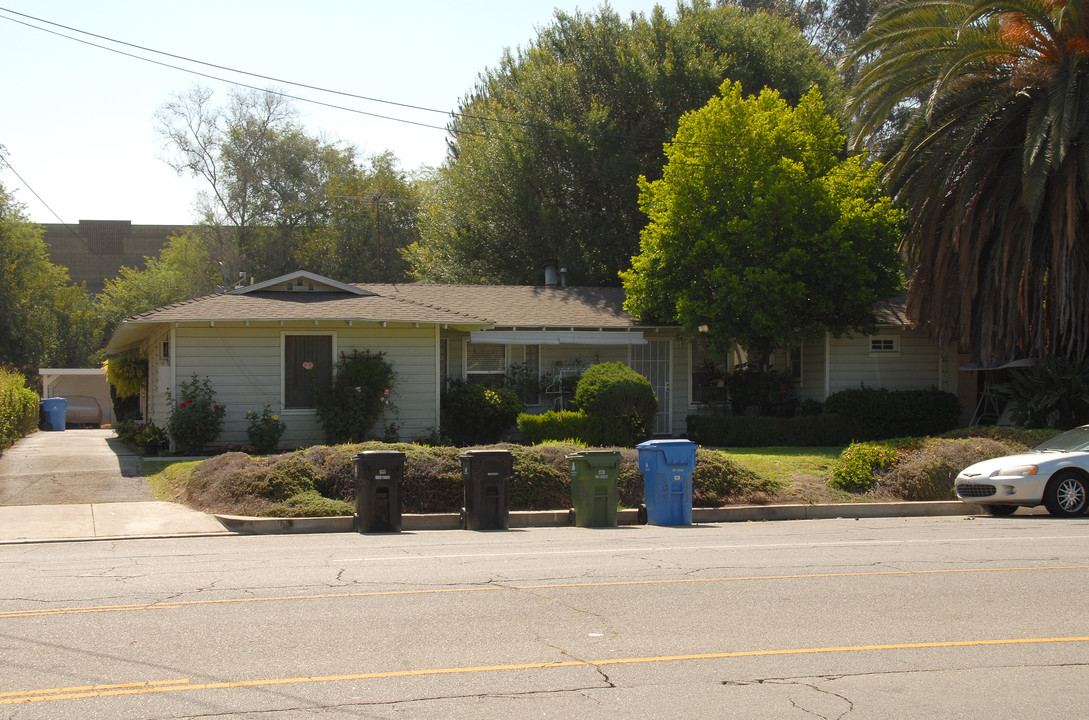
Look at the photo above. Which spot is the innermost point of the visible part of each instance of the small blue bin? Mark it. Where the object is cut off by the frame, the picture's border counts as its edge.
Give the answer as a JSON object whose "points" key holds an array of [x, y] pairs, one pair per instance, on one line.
{"points": [[56, 410], [667, 467]]}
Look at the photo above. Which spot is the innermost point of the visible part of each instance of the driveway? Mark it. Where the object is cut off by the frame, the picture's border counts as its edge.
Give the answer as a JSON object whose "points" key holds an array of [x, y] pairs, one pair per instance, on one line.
{"points": [[71, 467], [84, 484]]}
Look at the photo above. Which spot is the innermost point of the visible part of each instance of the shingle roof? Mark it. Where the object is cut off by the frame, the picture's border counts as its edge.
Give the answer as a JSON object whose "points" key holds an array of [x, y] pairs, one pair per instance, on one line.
{"points": [[303, 306], [520, 305], [501, 305]]}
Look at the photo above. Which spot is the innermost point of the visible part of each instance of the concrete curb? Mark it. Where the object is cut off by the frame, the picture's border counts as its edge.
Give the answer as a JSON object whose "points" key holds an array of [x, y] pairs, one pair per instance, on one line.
{"points": [[565, 518]]}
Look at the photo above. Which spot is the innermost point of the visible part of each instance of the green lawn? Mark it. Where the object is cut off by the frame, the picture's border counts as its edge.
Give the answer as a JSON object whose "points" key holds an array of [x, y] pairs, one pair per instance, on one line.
{"points": [[804, 471]]}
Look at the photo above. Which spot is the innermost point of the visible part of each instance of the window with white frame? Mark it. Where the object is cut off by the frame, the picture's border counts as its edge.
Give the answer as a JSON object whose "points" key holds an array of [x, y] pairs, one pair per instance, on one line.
{"points": [[308, 365], [884, 345], [485, 364]]}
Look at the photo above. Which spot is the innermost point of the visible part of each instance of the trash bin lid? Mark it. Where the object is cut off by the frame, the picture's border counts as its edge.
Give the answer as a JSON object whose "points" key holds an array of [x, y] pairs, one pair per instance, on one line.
{"points": [[675, 452], [596, 458], [485, 453]]}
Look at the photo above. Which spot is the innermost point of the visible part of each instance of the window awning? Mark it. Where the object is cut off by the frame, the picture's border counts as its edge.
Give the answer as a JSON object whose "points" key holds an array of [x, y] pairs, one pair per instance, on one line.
{"points": [[556, 337]]}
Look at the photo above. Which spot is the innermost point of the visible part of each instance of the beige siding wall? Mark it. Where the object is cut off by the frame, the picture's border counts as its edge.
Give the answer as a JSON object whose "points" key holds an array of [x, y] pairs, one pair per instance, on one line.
{"points": [[245, 367], [916, 364]]}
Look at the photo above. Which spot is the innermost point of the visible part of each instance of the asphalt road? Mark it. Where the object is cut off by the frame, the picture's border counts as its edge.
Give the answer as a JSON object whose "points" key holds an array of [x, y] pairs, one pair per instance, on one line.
{"points": [[883, 618]]}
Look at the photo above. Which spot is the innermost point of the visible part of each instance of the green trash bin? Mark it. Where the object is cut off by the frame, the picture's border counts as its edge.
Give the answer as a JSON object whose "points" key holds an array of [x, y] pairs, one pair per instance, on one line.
{"points": [[593, 487]]}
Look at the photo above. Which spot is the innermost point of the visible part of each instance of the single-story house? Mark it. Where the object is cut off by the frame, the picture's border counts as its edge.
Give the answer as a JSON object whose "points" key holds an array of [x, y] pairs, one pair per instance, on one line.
{"points": [[251, 342]]}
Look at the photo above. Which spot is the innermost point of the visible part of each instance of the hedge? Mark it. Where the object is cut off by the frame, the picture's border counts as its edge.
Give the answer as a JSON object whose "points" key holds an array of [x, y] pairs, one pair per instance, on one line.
{"points": [[18, 408], [746, 431]]}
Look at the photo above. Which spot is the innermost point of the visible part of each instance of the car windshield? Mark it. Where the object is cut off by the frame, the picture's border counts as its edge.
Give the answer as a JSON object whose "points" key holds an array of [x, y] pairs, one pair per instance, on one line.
{"points": [[1069, 441]]}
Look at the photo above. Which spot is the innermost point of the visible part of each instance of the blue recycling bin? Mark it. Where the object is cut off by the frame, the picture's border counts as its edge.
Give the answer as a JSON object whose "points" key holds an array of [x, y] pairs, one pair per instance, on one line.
{"points": [[667, 467], [56, 410]]}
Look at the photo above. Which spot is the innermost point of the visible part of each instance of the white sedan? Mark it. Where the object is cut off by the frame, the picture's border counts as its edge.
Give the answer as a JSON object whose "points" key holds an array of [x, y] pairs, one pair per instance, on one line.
{"points": [[1055, 474]]}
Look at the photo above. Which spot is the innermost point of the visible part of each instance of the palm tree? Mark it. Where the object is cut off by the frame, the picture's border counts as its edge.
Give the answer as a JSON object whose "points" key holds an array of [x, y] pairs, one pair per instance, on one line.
{"points": [[992, 164]]}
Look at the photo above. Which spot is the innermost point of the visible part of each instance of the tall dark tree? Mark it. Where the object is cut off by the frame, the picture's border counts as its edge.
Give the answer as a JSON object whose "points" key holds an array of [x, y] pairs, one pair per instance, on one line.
{"points": [[993, 166], [372, 215], [547, 150], [44, 320]]}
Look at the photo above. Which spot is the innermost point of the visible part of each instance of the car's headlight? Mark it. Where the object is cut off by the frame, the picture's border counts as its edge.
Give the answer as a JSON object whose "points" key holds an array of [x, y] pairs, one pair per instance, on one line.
{"points": [[1021, 470]]}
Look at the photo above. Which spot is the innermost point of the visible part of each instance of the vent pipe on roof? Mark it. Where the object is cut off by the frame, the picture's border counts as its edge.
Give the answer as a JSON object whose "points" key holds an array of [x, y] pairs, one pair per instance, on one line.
{"points": [[550, 268]]}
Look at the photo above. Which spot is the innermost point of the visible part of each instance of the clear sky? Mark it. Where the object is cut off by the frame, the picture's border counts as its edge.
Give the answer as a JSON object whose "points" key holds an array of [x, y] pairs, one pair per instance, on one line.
{"points": [[77, 120]]}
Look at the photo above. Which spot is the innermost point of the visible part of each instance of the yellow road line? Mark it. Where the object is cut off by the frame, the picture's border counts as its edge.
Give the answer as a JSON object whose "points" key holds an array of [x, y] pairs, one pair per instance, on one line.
{"points": [[507, 588], [29, 696]]}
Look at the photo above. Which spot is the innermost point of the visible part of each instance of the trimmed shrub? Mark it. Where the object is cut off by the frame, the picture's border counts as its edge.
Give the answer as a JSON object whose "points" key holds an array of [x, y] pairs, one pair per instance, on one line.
{"points": [[475, 414], [18, 408], [928, 473], [552, 425], [621, 399], [879, 414]]}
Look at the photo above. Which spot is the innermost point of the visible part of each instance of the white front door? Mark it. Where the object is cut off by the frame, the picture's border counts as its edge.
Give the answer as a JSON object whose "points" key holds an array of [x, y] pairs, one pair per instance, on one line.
{"points": [[653, 361]]}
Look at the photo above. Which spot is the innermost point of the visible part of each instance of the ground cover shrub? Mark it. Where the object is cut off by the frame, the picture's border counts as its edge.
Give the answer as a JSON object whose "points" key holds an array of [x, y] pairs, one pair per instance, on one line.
{"points": [[879, 414], [143, 438], [310, 503], [720, 480], [474, 414], [359, 395], [318, 481], [195, 417], [18, 408], [1020, 438], [861, 464], [746, 431], [928, 472], [621, 399]]}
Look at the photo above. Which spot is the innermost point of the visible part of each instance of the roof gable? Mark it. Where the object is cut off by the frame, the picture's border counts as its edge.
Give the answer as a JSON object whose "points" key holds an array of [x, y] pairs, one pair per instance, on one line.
{"points": [[301, 281]]}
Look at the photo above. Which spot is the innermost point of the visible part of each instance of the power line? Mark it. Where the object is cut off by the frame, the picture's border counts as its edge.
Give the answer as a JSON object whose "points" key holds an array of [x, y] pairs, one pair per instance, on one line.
{"points": [[217, 78]]}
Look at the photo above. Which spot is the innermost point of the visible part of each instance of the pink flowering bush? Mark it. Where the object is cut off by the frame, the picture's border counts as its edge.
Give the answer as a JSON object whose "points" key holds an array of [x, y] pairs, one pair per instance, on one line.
{"points": [[195, 417]]}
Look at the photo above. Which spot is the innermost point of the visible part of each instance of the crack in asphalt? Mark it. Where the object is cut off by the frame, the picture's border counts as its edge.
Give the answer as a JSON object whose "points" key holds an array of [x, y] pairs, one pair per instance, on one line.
{"points": [[798, 682], [318, 709]]}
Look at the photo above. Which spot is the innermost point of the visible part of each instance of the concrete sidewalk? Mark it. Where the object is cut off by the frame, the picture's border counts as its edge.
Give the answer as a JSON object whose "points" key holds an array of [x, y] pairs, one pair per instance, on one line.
{"points": [[98, 521]]}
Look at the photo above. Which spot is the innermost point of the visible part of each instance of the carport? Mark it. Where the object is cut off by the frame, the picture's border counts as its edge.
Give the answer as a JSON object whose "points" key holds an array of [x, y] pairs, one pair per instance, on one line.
{"points": [[87, 392]]}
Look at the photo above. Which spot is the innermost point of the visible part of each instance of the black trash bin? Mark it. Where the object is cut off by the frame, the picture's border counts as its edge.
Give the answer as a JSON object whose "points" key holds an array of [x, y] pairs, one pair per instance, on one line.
{"points": [[378, 475], [486, 474]]}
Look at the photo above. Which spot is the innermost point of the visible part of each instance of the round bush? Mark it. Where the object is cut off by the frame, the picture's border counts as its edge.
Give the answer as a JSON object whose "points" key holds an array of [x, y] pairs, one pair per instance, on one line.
{"points": [[621, 399]]}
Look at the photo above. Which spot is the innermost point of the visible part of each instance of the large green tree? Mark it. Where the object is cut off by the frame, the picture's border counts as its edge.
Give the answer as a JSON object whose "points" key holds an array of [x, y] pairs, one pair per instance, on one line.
{"points": [[760, 234], [546, 151], [45, 321], [993, 166]]}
